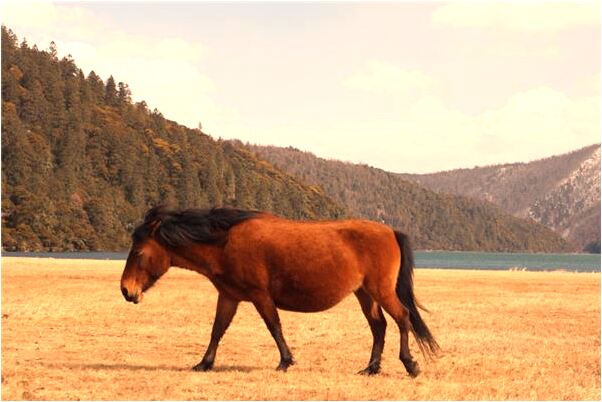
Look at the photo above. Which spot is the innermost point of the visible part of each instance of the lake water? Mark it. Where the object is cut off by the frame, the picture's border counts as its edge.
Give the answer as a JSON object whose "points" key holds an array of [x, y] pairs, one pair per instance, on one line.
{"points": [[505, 261], [427, 259]]}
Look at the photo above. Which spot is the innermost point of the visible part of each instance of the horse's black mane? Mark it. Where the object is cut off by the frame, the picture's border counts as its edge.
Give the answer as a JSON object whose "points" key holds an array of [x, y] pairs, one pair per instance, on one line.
{"points": [[178, 228]]}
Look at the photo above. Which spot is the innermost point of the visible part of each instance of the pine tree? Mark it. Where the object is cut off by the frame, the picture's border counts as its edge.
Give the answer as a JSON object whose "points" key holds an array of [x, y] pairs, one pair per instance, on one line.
{"points": [[97, 91], [54, 91], [210, 186], [10, 88], [34, 107], [124, 94], [52, 51], [111, 98], [9, 45]]}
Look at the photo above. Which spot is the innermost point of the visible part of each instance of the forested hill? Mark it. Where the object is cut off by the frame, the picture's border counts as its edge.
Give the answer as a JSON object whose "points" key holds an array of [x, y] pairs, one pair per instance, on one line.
{"points": [[561, 192], [81, 162], [434, 221]]}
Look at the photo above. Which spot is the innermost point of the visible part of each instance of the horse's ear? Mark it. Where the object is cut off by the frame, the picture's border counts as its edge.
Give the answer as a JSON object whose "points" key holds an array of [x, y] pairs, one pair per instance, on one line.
{"points": [[153, 226], [154, 217], [155, 213]]}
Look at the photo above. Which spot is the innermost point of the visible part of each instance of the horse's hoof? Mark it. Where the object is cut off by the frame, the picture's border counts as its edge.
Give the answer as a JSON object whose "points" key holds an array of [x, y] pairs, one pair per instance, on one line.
{"points": [[284, 365], [370, 370], [203, 366], [411, 367]]}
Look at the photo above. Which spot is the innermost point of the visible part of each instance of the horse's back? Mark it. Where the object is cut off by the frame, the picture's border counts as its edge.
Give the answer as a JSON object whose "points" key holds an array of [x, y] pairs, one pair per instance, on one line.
{"points": [[310, 266]]}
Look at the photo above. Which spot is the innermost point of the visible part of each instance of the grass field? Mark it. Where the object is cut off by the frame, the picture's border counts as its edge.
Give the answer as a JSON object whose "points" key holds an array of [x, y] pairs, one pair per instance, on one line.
{"points": [[67, 333]]}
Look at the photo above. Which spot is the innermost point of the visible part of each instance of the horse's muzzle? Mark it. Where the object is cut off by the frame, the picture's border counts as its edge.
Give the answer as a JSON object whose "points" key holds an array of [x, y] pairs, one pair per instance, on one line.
{"points": [[131, 298]]}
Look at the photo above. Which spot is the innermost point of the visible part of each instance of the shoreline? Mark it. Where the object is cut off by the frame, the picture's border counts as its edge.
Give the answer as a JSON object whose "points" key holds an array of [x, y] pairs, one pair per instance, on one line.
{"points": [[77, 262]]}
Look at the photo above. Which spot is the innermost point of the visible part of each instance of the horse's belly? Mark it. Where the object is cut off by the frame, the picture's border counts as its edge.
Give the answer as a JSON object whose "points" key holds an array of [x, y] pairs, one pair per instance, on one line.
{"points": [[306, 304], [312, 293]]}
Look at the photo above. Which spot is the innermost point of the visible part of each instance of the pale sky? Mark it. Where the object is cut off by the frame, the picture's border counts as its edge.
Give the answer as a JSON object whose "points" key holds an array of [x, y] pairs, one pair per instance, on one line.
{"points": [[410, 87]]}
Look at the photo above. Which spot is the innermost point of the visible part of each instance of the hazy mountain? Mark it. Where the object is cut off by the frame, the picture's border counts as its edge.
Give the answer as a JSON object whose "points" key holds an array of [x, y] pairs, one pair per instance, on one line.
{"points": [[561, 192], [81, 163], [433, 220]]}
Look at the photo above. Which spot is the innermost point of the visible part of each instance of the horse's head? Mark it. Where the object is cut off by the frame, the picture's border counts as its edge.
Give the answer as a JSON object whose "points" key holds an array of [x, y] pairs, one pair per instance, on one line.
{"points": [[148, 259], [167, 232]]}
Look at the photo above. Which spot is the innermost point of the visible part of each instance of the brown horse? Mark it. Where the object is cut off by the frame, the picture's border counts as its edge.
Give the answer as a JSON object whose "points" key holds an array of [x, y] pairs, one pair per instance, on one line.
{"points": [[278, 263]]}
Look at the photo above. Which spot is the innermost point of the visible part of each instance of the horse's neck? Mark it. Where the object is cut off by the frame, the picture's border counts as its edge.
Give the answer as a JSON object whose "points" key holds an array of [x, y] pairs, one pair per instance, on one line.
{"points": [[204, 259]]}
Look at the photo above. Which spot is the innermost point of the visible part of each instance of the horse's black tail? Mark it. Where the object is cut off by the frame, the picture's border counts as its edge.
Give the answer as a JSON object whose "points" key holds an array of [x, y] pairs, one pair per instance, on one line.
{"points": [[405, 291]]}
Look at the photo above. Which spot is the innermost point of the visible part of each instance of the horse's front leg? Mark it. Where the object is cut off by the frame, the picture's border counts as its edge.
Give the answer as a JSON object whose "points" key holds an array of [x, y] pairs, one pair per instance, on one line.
{"points": [[226, 308], [267, 310]]}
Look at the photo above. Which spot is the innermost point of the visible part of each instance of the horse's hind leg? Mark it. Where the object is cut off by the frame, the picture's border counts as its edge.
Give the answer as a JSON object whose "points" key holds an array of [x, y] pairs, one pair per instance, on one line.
{"points": [[267, 310], [391, 304], [378, 326], [226, 308]]}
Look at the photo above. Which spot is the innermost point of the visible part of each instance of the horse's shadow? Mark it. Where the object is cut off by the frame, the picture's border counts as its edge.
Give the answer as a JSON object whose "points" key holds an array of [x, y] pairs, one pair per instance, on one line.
{"points": [[160, 367]]}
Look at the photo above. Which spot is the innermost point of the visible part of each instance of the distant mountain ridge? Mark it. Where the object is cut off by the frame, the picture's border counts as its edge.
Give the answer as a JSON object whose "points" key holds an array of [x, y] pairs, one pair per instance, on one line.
{"points": [[433, 220], [561, 192]]}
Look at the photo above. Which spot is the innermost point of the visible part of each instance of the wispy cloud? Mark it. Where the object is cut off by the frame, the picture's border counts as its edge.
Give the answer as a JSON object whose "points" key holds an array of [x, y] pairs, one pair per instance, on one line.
{"points": [[531, 124], [527, 16], [379, 76]]}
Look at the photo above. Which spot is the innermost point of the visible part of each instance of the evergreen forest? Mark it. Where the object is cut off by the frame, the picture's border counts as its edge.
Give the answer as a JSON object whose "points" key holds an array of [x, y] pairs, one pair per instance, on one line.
{"points": [[82, 162]]}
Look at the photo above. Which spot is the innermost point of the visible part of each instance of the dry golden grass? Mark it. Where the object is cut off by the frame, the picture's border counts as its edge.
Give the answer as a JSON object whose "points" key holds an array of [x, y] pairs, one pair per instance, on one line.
{"points": [[68, 334]]}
